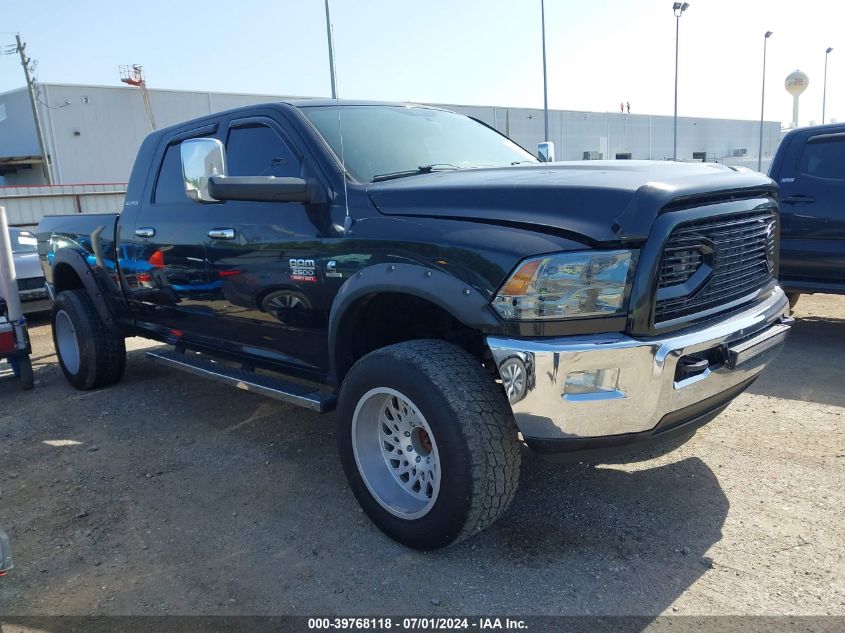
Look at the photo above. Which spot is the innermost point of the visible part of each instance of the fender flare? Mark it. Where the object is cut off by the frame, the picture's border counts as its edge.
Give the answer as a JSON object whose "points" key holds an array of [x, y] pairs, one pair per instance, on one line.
{"points": [[92, 280], [458, 298]]}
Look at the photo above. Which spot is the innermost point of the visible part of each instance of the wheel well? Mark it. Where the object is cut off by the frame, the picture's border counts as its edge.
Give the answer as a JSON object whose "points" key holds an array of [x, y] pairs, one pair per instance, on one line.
{"points": [[378, 320], [65, 278]]}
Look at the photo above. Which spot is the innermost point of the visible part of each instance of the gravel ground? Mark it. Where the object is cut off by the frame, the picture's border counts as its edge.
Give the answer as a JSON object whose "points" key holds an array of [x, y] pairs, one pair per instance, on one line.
{"points": [[179, 496]]}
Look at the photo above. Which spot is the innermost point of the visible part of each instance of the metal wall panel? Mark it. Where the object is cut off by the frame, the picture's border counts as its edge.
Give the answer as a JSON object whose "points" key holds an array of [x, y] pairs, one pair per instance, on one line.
{"points": [[25, 206], [96, 137], [93, 132], [17, 128]]}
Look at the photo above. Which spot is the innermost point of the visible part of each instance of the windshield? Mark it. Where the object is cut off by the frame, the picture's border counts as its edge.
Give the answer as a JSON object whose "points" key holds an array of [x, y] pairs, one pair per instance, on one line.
{"points": [[23, 241], [404, 140]]}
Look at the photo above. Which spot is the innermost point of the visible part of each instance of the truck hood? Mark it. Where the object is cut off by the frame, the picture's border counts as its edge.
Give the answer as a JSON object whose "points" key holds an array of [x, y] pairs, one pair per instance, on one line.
{"points": [[27, 265], [593, 201]]}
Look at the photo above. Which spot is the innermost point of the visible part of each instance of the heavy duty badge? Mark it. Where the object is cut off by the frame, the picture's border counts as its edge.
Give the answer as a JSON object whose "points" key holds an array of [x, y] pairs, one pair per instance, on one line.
{"points": [[303, 270]]}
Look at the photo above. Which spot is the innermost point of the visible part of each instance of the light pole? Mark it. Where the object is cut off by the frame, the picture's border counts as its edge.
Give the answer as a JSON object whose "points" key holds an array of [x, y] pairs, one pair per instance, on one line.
{"points": [[545, 76], [762, 104], [678, 9], [331, 49], [824, 91]]}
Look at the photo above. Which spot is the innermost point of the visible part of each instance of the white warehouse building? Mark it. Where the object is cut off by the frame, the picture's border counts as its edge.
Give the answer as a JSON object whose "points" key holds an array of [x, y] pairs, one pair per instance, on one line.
{"points": [[91, 133]]}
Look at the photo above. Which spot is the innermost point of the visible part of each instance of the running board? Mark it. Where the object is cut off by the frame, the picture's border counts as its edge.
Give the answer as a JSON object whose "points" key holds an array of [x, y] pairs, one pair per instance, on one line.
{"points": [[300, 394]]}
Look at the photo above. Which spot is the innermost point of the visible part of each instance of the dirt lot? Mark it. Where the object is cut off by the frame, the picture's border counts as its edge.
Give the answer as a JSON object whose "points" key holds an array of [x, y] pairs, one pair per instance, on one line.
{"points": [[179, 496]]}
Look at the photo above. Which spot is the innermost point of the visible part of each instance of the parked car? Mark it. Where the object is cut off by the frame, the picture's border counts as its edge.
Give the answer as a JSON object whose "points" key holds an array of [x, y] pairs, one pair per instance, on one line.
{"points": [[809, 166], [31, 282], [451, 292]]}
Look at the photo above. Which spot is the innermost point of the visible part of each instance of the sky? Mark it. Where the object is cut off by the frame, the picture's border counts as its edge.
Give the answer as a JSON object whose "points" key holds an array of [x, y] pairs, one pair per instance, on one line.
{"points": [[470, 52]]}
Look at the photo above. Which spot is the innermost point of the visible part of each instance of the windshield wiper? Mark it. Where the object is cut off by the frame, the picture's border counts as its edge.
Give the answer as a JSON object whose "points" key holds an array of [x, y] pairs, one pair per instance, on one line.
{"points": [[520, 162], [422, 169]]}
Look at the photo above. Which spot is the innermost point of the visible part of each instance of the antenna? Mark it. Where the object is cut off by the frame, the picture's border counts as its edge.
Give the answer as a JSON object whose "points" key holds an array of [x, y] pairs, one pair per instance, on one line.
{"points": [[347, 220]]}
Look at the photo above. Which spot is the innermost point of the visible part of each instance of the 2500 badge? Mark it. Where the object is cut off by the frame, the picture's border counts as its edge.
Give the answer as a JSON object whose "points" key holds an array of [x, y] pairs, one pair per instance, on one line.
{"points": [[303, 270]]}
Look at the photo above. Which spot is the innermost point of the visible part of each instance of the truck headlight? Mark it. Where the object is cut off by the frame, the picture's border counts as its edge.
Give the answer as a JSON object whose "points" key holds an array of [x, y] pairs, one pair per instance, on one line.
{"points": [[568, 285]]}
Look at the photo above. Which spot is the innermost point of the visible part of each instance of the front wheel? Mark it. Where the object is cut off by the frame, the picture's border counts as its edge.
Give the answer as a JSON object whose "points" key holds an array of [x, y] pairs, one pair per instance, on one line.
{"points": [[428, 443]]}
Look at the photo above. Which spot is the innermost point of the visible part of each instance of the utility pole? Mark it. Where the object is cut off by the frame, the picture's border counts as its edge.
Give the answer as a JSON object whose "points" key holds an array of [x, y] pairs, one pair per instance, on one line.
{"points": [[824, 92], [331, 49], [678, 9], [30, 84], [762, 104], [545, 76]]}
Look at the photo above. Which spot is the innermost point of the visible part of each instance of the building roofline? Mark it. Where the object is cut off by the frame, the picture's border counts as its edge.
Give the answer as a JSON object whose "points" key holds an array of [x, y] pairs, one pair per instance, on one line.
{"points": [[13, 90], [289, 98], [48, 84]]}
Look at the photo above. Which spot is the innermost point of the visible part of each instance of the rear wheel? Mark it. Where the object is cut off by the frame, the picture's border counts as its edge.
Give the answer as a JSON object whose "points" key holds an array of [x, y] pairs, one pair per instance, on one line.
{"points": [[793, 299], [90, 354], [428, 442]]}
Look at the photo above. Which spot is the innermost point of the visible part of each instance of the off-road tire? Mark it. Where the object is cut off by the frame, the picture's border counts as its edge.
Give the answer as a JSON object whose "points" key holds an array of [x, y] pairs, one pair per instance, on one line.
{"points": [[102, 353], [471, 420]]}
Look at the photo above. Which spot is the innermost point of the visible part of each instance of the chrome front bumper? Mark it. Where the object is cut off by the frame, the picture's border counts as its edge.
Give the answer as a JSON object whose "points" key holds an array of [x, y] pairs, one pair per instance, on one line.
{"points": [[641, 384]]}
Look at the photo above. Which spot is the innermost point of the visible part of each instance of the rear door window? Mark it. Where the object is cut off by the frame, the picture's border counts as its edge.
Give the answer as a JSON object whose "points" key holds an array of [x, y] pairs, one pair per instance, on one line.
{"points": [[170, 189], [170, 185], [824, 158]]}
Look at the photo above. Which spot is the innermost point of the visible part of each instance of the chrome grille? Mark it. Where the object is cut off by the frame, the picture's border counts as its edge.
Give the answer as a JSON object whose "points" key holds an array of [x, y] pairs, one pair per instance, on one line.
{"points": [[710, 262]]}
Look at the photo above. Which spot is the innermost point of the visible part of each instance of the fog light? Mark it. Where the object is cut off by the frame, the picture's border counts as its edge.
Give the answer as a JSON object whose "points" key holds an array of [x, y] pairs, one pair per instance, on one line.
{"points": [[603, 381]]}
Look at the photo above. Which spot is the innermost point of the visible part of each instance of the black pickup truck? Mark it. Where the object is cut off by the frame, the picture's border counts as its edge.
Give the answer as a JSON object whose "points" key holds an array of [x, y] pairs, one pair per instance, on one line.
{"points": [[809, 166], [437, 284]]}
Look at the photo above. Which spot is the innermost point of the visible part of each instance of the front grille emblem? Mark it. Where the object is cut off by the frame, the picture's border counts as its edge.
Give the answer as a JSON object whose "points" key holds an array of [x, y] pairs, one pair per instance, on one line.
{"points": [[770, 245]]}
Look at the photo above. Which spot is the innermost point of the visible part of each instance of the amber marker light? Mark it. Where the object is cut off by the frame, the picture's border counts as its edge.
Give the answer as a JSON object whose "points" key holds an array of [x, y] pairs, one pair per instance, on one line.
{"points": [[520, 281]]}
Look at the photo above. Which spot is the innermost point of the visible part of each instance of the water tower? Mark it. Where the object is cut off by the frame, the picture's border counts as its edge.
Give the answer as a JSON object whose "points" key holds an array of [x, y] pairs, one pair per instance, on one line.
{"points": [[796, 83]]}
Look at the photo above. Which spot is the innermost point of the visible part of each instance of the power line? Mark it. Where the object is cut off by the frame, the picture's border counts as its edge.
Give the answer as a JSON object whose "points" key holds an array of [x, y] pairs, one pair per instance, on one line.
{"points": [[52, 107]]}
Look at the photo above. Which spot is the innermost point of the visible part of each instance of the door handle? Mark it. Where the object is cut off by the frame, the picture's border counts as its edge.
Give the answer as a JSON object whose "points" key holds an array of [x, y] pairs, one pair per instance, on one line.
{"points": [[145, 231], [222, 234], [798, 198]]}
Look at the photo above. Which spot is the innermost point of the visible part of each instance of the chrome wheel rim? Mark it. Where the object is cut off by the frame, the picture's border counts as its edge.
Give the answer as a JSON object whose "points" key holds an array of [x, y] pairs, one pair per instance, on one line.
{"points": [[513, 379], [396, 453], [67, 342]]}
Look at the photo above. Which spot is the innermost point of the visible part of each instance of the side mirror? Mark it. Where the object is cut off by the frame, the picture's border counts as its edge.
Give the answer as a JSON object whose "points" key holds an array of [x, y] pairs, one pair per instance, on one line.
{"points": [[546, 152], [259, 188], [202, 158]]}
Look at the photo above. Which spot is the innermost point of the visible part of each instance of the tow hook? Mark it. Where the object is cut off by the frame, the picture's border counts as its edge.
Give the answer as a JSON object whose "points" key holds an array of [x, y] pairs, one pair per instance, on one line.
{"points": [[690, 366]]}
